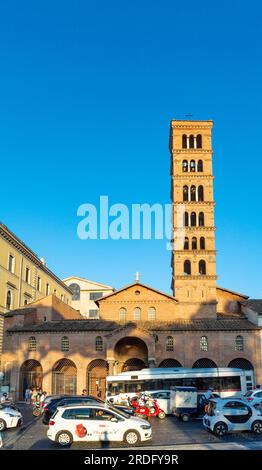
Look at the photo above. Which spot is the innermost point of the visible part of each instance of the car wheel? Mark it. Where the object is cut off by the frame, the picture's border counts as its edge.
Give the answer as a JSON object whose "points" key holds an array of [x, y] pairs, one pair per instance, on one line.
{"points": [[132, 437], [220, 429], [64, 438], [257, 427], [2, 425], [162, 415], [185, 418]]}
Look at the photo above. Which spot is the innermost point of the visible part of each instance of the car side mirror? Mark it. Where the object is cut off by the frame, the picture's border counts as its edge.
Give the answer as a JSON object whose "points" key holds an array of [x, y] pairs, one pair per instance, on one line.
{"points": [[114, 420]]}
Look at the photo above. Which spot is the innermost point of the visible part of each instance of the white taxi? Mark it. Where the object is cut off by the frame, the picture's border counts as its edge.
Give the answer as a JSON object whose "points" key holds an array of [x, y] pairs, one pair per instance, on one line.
{"points": [[90, 423]]}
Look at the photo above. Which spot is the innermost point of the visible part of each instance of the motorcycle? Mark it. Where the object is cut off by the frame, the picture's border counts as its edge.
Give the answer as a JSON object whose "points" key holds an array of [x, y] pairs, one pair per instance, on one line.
{"points": [[150, 409]]}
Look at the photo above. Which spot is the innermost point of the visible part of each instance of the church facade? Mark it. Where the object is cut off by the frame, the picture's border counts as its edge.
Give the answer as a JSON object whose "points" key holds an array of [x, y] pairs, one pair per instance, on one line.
{"points": [[200, 325]]}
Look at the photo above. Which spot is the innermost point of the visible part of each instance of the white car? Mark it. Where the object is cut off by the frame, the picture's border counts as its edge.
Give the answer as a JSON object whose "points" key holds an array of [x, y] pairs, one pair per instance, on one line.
{"points": [[253, 397], [229, 415], [9, 418], [90, 423]]}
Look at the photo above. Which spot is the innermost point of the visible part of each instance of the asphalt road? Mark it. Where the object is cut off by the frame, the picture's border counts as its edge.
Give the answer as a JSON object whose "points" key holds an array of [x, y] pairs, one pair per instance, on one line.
{"points": [[166, 434]]}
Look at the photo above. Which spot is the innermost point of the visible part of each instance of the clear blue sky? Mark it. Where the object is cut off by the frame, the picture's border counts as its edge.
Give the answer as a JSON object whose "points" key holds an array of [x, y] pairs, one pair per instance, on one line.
{"points": [[87, 91]]}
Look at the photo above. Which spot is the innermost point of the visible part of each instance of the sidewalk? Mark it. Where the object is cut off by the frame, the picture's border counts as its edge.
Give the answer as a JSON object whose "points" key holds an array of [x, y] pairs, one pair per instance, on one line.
{"points": [[11, 435]]}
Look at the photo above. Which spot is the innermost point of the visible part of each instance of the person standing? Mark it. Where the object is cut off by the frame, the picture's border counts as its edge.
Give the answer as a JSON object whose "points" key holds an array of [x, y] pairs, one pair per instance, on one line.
{"points": [[27, 395]]}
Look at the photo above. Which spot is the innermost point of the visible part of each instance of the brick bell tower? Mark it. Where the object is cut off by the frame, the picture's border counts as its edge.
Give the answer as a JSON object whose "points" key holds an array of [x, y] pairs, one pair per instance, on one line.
{"points": [[193, 250]]}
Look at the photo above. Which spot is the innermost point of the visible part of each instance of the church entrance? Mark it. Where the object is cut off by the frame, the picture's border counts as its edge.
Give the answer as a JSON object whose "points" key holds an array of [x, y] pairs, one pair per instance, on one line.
{"points": [[131, 353]]}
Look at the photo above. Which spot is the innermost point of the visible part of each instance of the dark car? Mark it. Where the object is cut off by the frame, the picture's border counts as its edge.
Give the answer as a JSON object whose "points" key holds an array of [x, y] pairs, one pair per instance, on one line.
{"points": [[52, 405]]}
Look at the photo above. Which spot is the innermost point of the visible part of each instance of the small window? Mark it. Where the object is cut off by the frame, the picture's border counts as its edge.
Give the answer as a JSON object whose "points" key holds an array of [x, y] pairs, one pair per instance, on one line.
{"points": [[47, 290], [122, 314], [239, 343], [186, 219], [62, 297], [32, 344], [11, 263], [65, 344], [152, 313], [75, 288], [9, 299], [137, 314], [99, 343], [27, 275], [95, 295], [94, 313], [203, 343], [39, 284], [170, 343], [25, 302]]}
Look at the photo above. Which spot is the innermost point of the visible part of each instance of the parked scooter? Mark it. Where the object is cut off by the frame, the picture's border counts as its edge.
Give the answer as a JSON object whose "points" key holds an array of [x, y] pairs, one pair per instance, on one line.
{"points": [[148, 410]]}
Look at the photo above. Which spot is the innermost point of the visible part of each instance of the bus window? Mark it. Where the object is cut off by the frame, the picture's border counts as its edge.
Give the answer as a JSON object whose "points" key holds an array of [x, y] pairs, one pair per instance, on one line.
{"points": [[231, 383]]}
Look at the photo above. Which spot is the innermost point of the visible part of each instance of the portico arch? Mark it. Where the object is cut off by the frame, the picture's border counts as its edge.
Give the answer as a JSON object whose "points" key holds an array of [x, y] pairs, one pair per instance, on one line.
{"points": [[31, 375], [131, 353], [64, 377], [97, 371]]}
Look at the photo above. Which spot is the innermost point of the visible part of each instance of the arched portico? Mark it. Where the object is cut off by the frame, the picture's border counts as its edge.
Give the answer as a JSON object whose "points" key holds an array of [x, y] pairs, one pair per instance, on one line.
{"points": [[31, 375], [131, 353], [64, 377]]}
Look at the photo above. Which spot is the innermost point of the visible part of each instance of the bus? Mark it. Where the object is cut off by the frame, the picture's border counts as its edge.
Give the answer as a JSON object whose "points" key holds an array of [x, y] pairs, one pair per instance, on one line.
{"points": [[225, 381]]}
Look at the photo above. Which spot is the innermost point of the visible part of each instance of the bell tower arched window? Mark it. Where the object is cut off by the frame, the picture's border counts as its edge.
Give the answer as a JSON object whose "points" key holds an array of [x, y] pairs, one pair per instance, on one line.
{"points": [[185, 193], [187, 267], [184, 141], [200, 166], [193, 219], [200, 193], [186, 219], [192, 166], [185, 166], [202, 267], [194, 243], [186, 243], [201, 219], [191, 141], [202, 243], [199, 141], [193, 193]]}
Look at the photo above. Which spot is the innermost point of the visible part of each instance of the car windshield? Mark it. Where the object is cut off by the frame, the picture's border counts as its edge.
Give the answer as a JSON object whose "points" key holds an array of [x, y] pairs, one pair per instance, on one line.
{"points": [[248, 394], [119, 412]]}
